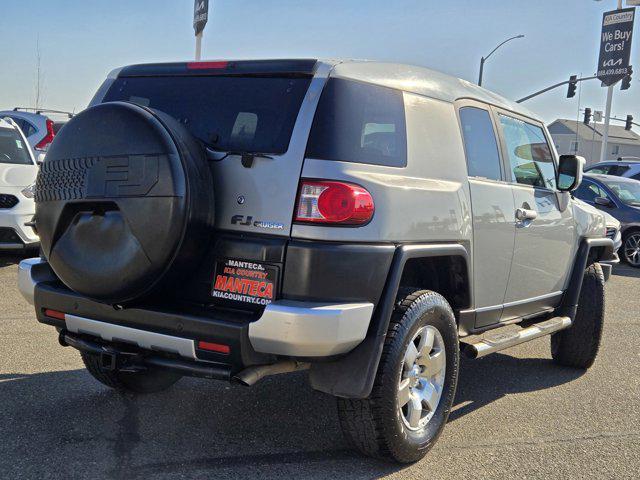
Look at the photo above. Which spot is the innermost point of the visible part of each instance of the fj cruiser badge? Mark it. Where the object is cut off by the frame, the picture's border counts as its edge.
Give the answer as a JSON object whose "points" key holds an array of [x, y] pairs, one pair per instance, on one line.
{"points": [[248, 221]]}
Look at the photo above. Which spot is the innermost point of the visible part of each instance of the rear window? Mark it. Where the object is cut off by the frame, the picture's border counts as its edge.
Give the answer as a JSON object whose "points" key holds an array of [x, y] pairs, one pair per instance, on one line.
{"points": [[359, 122], [12, 148], [246, 114]]}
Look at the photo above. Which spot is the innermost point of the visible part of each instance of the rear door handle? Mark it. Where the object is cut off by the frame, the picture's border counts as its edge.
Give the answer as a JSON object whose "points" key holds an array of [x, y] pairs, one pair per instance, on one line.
{"points": [[523, 214]]}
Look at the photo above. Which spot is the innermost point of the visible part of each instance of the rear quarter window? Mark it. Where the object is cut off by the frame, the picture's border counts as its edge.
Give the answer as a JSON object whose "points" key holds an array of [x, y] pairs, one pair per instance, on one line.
{"points": [[361, 123]]}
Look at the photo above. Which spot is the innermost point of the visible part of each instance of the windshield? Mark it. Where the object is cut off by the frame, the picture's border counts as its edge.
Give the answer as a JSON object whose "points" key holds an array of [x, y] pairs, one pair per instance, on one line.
{"points": [[229, 113], [627, 192], [12, 148]]}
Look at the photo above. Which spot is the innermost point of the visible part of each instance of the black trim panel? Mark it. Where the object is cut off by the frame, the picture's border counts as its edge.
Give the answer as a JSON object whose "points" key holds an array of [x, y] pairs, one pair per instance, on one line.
{"points": [[332, 272], [354, 374]]}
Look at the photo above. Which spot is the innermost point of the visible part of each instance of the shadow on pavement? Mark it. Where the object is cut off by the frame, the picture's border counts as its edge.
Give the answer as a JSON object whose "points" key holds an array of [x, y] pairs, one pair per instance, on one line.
{"points": [[624, 270], [7, 259], [279, 428], [506, 375]]}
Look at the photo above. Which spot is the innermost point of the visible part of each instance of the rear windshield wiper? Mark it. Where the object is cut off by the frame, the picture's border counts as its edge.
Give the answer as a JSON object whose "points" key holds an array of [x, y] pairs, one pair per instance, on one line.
{"points": [[247, 158]]}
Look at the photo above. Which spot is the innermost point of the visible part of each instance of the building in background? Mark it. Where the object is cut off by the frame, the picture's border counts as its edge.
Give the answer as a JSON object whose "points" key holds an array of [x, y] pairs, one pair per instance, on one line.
{"points": [[576, 138]]}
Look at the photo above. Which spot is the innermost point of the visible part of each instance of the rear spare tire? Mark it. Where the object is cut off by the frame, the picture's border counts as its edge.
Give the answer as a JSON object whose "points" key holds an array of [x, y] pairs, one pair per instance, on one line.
{"points": [[124, 202]]}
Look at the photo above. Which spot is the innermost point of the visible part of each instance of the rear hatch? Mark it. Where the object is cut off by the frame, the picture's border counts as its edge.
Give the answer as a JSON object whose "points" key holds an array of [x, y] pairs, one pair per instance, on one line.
{"points": [[263, 108], [254, 118]]}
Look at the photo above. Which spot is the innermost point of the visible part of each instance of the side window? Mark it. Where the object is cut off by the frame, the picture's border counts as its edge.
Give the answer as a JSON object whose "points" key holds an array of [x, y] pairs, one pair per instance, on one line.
{"points": [[359, 122], [601, 170], [483, 159], [636, 176], [530, 157], [25, 126], [618, 170], [587, 191]]}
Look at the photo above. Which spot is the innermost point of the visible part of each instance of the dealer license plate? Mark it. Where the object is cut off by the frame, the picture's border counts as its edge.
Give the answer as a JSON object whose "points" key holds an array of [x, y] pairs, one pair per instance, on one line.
{"points": [[246, 282]]}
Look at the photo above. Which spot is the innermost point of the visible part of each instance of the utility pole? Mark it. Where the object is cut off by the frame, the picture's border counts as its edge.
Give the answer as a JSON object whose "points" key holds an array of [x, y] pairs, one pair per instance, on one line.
{"points": [[607, 114], [38, 92]]}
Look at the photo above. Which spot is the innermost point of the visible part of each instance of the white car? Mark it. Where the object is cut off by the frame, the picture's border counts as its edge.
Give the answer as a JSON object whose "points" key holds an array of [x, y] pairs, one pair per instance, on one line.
{"points": [[18, 171], [613, 230], [38, 126]]}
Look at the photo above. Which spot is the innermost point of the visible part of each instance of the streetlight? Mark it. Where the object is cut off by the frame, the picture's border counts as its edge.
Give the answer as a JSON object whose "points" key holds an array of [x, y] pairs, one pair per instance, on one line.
{"points": [[484, 59]]}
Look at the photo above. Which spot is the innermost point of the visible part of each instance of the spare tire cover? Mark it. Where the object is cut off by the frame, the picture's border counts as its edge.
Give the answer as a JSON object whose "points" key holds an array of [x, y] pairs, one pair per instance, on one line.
{"points": [[124, 201]]}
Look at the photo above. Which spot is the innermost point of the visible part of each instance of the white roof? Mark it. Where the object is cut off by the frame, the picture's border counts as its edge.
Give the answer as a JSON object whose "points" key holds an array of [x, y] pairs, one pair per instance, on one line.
{"points": [[423, 81]]}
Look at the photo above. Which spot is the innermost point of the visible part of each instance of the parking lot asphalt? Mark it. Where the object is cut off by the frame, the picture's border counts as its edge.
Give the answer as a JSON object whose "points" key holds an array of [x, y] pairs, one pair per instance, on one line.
{"points": [[516, 414]]}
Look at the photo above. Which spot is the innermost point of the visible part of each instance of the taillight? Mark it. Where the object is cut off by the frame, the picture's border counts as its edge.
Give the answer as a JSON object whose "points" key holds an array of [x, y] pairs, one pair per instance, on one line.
{"points": [[44, 143], [54, 314], [220, 65], [214, 347], [343, 203]]}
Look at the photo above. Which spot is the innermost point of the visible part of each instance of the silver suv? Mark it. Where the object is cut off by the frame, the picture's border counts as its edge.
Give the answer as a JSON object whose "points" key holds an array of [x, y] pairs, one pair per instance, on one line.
{"points": [[366, 221]]}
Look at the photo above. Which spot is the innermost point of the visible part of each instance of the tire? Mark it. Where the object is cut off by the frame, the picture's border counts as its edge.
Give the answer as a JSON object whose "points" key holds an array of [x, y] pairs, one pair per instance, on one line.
{"points": [[578, 345], [630, 245], [126, 193], [377, 426], [149, 381]]}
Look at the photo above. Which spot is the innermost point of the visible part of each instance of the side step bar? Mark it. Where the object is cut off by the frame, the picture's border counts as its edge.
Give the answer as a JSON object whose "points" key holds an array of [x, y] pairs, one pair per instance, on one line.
{"points": [[494, 342]]}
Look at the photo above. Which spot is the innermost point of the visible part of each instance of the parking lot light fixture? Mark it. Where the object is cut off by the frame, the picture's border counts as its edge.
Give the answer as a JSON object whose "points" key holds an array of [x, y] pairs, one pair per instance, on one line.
{"points": [[484, 59]]}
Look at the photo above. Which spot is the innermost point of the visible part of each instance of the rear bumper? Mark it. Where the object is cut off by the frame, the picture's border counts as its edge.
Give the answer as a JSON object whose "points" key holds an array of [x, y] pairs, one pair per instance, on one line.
{"points": [[311, 330]]}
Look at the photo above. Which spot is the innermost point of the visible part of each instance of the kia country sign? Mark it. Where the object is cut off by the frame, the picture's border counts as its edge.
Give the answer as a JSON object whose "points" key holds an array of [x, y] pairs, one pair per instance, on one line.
{"points": [[200, 15], [615, 45]]}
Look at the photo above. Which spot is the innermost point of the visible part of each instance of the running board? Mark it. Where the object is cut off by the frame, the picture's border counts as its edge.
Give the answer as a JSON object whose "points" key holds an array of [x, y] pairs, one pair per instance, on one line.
{"points": [[494, 342]]}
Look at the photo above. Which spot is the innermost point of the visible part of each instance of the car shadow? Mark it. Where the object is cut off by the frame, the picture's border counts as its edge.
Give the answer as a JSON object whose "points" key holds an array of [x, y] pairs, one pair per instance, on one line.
{"points": [[7, 259], [508, 375], [279, 425], [624, 270]]}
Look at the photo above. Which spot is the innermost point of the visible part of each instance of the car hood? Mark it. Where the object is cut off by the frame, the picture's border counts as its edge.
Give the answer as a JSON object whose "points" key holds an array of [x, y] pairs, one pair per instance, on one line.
{"points": [[590, 221], [610, 220], [17, 175]]}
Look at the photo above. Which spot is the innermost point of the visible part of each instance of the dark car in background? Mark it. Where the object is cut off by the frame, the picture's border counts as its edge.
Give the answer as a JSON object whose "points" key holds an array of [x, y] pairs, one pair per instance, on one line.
{"points": [[620, 197], [628, 167]]}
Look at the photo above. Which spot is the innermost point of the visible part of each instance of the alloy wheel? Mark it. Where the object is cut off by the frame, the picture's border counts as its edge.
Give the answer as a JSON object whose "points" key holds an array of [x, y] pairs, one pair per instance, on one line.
{"points": [[632, 249], [422, 378]]}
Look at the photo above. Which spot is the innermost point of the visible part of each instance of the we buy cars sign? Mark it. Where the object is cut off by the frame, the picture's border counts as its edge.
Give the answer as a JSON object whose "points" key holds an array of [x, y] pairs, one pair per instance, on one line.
{"points": [[615, 45]]}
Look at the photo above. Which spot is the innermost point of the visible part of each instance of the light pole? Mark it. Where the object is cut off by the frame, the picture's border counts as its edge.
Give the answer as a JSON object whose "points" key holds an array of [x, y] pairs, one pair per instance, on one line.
{"points": [[484, 59]]}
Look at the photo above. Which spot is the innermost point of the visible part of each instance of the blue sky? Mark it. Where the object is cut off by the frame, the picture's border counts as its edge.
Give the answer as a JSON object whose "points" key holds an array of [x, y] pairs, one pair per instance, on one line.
{"points": [[82, 40]]}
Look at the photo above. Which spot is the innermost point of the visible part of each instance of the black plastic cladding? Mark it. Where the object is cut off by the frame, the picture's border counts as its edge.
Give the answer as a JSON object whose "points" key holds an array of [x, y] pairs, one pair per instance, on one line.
{"points": [[230, 67]]}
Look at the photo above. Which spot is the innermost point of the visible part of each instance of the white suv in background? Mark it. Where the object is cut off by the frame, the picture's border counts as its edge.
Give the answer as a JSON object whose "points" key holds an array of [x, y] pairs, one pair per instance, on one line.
{"points": [[18, 171], [39, 128]]}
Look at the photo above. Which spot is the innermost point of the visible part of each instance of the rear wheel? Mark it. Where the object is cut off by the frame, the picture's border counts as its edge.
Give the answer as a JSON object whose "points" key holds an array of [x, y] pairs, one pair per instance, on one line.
{"points": [[415, 384], [631, 248], [148, 381], [578, 346]]}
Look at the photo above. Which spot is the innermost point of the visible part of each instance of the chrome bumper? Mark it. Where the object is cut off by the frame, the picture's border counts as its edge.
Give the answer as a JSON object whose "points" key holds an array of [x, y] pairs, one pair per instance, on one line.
{"points": [[299, 329]]}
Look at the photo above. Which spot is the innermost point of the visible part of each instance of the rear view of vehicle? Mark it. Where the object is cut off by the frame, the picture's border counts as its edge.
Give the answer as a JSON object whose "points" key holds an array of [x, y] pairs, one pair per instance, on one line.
{"points": [[232, 220], [39, 126], [17, 178]]}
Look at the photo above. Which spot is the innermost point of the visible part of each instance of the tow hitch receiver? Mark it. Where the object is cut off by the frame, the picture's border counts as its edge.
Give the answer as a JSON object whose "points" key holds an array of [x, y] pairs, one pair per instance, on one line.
{"points": [[108, 361]]}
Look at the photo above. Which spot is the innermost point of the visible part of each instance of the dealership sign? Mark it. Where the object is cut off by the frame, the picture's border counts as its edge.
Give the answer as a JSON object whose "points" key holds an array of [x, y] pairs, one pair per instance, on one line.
{"points": [[200, 15], [615, 45]]}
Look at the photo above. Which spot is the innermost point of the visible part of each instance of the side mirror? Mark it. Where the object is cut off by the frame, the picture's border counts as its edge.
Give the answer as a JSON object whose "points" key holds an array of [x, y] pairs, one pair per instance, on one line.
{"points": [[570, 172], [603, 201]]}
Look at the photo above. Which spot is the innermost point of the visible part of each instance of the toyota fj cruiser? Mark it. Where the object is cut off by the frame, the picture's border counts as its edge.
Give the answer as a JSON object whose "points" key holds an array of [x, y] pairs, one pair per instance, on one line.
{"points": [[368, 221]]}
